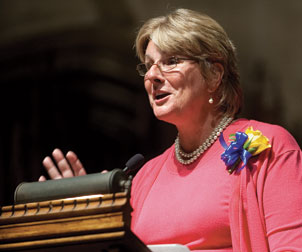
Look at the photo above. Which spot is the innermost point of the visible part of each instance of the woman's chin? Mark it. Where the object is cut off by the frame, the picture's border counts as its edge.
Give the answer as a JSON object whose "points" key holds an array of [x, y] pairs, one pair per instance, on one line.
{"points": [[163, 115]]}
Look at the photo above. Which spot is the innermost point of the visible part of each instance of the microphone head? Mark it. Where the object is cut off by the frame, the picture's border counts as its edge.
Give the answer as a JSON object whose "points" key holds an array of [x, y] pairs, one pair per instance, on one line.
{"points": [[134, 163]]}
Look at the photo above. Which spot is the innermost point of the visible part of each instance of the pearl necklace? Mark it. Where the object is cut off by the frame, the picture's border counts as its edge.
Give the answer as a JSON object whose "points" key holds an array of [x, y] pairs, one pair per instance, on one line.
{"points": [[188, 158]]}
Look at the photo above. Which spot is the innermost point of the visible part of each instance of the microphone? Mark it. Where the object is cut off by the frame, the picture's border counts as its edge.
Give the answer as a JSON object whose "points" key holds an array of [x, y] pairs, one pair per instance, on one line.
{"points": [[133, 164], [132, 167]]}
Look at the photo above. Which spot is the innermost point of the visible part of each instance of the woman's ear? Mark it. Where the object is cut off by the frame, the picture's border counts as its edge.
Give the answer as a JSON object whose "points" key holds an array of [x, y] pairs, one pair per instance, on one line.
{"points": [[217, 72]]}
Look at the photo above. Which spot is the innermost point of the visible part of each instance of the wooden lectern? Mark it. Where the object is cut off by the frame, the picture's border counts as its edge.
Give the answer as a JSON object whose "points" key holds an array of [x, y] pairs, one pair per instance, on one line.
{"points": [[90, 223]]}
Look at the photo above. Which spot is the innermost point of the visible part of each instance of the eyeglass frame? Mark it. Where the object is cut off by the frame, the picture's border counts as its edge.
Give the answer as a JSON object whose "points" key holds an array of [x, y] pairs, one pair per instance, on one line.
{"points": [[159, 65]]}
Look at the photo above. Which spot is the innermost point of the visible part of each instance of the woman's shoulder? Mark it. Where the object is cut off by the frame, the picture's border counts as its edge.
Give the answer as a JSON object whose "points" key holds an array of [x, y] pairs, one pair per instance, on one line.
{"points": [[278, 136], [159, 159], [154, 163]]}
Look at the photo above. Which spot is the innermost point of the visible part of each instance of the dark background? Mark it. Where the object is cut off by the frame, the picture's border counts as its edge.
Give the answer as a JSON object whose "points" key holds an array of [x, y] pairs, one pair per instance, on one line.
{"points": [[68, 79]]}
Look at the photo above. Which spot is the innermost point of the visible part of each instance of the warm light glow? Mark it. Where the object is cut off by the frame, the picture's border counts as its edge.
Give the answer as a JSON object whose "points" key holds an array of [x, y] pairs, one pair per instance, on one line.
{"points": [[86, 197]]}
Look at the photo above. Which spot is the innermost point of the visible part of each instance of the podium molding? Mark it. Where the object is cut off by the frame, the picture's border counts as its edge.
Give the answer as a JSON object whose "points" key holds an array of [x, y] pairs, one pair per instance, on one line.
{"points": [[95, 222]]}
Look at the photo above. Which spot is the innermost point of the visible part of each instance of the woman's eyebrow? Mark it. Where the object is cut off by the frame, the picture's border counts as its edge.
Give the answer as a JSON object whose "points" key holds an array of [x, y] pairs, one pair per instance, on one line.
{"points": [[164, 57]]}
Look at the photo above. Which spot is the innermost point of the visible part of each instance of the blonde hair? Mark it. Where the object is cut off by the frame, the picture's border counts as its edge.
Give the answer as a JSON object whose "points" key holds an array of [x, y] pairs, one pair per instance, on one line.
{"points": [[189, 33]]}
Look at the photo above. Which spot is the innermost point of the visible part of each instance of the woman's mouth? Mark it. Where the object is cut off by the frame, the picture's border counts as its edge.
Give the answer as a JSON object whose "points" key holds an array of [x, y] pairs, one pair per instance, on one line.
{"points": [[161, 96]]}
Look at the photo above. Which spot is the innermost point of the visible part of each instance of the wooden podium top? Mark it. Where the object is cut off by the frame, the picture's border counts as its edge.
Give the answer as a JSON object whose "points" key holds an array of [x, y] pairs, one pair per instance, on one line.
{"points": [[95, 222]]}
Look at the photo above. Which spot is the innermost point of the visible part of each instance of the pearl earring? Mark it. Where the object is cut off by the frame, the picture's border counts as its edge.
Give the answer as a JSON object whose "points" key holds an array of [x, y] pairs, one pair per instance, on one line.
{"points": [[211, 100]]}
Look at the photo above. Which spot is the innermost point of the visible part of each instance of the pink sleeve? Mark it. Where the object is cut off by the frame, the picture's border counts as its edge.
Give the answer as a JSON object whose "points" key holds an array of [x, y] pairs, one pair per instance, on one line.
{"points": [[282, 202]]}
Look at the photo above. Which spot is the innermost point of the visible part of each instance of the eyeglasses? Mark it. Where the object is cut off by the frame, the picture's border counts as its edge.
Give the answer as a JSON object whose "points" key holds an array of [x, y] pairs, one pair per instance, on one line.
{"points": [[165, 66]]}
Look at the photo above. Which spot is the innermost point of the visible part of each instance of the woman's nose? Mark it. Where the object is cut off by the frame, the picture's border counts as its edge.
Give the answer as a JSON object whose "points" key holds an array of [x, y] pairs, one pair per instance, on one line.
{"points": [[155, 75]]}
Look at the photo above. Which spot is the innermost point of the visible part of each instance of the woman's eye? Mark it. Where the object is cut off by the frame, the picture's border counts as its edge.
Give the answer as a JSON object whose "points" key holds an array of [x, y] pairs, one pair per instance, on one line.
{"points": [[171, 61], [148, 65]]}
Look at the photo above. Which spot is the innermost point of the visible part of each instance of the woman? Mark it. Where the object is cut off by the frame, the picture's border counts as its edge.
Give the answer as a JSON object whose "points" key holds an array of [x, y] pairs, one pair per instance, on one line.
{"points": [[205, 193]]}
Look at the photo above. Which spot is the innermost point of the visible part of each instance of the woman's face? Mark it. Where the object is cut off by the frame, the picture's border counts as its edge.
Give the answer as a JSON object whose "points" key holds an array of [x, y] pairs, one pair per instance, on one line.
{"points": [[178, 95]]}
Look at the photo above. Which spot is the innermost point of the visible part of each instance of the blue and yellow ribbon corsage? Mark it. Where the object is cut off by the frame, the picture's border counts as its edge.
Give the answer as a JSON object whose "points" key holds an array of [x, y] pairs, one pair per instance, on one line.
{"points": [[243, 146]]}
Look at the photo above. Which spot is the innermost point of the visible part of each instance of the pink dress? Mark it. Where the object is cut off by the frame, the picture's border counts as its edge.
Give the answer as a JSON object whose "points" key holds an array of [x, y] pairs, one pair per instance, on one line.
{"points": [[206, 209]]}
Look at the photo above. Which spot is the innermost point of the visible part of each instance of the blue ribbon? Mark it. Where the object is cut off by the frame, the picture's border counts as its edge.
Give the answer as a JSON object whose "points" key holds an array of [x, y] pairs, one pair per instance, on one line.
{"points": [[235, 150]]}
